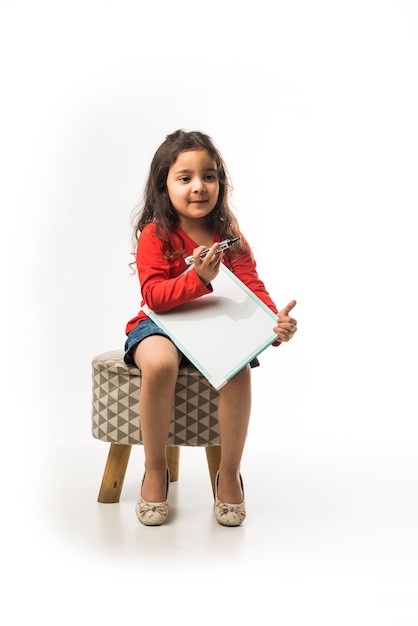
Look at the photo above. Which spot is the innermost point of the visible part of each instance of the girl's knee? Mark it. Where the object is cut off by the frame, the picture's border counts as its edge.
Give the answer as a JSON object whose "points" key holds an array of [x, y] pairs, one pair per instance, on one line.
{"points": [[157, 355], [160, 367], [241, 380], [243, 375]]}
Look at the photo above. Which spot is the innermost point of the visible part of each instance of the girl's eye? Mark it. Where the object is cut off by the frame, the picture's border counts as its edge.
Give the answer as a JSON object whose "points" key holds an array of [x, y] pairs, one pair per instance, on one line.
{"points": [[208, 177]]}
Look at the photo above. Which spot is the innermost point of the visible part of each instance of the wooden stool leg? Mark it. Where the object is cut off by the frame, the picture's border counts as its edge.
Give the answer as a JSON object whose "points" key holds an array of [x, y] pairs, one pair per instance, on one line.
{"points": [[172, 454], [213, 455], [114, 473]]}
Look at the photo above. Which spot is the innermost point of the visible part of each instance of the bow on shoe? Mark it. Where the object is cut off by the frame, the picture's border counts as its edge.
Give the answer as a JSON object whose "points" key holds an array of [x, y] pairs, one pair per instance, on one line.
{"points": [[160, 508], [224, 508], [230, 514], [227, 513], [151, 513]]}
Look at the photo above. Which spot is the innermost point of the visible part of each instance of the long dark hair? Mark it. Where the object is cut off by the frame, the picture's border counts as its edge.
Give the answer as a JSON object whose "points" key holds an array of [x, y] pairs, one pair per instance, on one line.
{"points": [[156, 206]]}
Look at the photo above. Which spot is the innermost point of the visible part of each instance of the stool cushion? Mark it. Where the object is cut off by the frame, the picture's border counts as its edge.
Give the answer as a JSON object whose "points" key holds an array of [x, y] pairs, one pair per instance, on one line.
{"points": [[115, 410]]}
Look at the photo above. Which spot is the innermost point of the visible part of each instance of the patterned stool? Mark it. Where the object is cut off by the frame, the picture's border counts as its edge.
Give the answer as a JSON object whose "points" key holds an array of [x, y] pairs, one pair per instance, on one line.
{"points": [[115, 418]]}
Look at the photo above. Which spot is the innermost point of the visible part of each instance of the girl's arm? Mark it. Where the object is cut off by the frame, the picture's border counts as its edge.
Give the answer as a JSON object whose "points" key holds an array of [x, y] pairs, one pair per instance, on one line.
{"points": [[164, 286]]}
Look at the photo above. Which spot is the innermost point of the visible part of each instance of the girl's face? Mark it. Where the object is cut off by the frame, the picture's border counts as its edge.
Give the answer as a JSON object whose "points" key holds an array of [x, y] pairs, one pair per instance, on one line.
{"points": [[193, 185]]}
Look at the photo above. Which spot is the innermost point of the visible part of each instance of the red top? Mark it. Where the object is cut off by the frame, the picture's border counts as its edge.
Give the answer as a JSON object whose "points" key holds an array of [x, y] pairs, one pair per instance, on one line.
{"points": [[164, 286]]}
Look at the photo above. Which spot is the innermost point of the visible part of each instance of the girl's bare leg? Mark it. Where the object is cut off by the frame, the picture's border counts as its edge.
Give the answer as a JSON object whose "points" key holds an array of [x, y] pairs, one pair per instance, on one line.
{"points": [[158, 359], [234, 408]]}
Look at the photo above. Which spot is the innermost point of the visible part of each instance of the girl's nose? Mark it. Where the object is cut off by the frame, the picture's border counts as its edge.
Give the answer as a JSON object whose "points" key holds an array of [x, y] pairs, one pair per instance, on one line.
{"points": [[198, 185]]}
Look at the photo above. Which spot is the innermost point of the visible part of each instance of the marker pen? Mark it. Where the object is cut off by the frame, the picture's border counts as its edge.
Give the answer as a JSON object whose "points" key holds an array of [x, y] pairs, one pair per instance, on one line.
{"points": [[227, 243]]}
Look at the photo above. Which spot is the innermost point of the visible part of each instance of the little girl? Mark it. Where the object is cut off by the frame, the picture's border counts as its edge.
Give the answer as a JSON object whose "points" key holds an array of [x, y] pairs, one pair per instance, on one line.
{"points": [[184, 211]]}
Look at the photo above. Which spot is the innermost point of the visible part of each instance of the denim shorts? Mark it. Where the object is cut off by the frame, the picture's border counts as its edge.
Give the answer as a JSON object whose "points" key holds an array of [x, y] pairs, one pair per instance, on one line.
{"points": [[145, 328]]}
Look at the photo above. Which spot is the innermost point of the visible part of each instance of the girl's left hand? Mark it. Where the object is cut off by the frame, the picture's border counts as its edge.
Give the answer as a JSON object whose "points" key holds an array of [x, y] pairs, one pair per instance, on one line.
{"points": [[286, 326]]}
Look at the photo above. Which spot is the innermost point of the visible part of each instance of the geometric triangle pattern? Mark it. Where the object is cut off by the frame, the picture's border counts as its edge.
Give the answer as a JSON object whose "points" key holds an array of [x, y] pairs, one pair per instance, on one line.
{"points": [[115, 404]]}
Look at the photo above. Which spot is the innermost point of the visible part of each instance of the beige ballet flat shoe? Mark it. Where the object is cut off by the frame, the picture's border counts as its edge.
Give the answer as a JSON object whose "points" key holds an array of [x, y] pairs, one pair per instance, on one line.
{"points": [[152, 513], [229, 514]]}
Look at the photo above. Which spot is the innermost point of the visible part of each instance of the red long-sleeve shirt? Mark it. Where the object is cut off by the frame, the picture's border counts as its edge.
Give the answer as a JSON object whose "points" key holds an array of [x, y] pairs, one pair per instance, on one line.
{"points": [[164, 285]]}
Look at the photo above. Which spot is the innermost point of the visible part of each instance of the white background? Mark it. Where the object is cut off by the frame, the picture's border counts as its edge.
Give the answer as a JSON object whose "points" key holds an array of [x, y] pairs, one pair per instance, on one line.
{"points": [[314, 108]]}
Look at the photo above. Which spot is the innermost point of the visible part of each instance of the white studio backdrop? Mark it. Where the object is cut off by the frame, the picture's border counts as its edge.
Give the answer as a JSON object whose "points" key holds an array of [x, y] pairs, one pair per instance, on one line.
{"points": [[313, 106]]}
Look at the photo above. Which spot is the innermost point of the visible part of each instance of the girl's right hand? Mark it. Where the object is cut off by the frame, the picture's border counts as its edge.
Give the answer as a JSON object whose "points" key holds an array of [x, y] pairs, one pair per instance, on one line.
{"points": [[208, 267]]}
